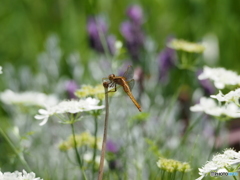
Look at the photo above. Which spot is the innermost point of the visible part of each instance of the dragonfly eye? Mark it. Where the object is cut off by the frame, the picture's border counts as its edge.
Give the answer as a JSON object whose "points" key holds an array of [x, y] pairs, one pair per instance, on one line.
{"points": [[111, 76]]}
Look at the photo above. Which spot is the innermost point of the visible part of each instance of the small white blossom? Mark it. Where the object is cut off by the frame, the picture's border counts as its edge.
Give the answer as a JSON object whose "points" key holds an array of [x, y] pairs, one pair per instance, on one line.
{"points": [[18, 176], [89, 156], [232, 96], [219, 162], [27, 98], [72, 106], [0, 69], [220, 76], [183, 45], [209, 106]]}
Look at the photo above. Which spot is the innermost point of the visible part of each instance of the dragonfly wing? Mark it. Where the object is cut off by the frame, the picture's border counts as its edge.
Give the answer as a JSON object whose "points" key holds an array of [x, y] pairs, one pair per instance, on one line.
{"points": [[131, 84], [129, 73]]}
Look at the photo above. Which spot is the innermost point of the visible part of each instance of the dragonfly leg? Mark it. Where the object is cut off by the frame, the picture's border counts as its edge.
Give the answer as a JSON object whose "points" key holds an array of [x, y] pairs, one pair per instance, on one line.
{"points": [[115, 88]]}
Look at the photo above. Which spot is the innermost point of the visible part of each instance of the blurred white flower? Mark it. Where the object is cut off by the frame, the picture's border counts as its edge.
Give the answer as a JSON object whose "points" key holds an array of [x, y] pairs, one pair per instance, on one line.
{"points": [[209, 106], [220, 76], [220, 161], [72, 106], [28, 98], [232, 96], [89, 156], [183, 45], [0, 69], [211, 53], [18, 176]]}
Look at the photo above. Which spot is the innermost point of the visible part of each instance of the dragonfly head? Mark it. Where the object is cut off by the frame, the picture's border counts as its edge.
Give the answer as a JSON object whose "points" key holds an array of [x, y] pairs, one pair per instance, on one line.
{"points": [[111, 77]]}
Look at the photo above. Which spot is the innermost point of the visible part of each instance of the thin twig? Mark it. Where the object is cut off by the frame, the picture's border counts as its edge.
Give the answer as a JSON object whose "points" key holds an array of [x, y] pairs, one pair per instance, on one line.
{"points": [[100, 172]]}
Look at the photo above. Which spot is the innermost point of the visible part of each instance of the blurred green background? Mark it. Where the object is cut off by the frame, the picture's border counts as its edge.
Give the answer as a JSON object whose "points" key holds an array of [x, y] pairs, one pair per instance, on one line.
{"points": [[25, 24]]}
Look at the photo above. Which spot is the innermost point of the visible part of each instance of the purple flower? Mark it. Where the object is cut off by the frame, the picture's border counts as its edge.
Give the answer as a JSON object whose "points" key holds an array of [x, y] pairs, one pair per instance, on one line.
{"points": [[206, 84], [71, 87], [96, 25], [112, 146], [97, 32], [166, 61], [135, 14], [134, 38]]}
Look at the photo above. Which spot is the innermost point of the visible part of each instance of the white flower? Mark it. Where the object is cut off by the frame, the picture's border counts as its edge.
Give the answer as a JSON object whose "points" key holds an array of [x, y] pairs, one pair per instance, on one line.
{"points": [[18, 176], [219, 162], [27, 98], [220, 76], [211, 53], [209, 106], [232, 96], [72, 106], [0, 69], [183, 45], [89, 156]]}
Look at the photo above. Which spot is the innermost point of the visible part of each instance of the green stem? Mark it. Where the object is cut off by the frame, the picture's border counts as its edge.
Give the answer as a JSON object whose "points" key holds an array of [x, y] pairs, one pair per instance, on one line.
{"points": [[95, 143], [182, 175], [234, 178], [163, 173], [20, 156], [215, 138], [174, 175], [77, 154], [100, 172], [186, 134]]}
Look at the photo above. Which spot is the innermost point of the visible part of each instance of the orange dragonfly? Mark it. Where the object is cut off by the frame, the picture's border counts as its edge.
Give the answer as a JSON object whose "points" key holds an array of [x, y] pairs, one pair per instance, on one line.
{"points": [[126, 81]]}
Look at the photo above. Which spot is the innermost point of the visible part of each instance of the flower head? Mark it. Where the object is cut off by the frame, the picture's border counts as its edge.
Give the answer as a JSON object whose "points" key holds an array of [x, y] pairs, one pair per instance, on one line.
{"points": [[220, 161], [206, 84], [111, 146], [183, 45], [71, 87], [232, 96], [69, 107], [209, 106], [83, 139], [135, 14], [88, 157], [88, 90], [0, 69], [97, 30], [220, 76], [132, 32], [18, 176], [29, 98], [166, 60], [171, 165]]}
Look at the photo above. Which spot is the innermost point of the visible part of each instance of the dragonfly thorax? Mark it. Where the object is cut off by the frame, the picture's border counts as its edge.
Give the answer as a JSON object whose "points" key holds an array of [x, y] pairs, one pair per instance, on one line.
{"points": [[111, 77]]}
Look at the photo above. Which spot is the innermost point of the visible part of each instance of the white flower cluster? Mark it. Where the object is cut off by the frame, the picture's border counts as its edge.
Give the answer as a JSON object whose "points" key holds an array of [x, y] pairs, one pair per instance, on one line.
{"points": [[220, 161], [72, 106], [0, 69], [232, 96], [220, 76], [28, 98], [209, 106], [18, 176]]}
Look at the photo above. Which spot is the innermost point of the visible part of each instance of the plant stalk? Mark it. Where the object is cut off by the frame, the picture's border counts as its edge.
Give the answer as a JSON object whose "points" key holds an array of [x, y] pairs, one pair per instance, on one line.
{"points": [[100, 172], [77, 154]]}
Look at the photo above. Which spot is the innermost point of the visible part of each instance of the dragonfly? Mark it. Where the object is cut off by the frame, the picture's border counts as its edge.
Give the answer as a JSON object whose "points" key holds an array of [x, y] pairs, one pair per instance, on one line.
{"points": [[126, 81]]}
